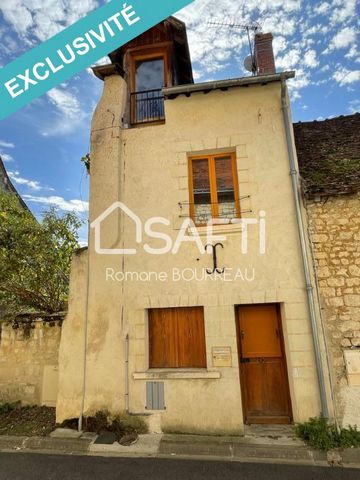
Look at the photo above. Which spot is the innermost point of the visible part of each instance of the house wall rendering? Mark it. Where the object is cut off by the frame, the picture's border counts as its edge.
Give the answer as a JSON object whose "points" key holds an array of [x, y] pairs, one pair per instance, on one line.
{"points": [[147, 170]]}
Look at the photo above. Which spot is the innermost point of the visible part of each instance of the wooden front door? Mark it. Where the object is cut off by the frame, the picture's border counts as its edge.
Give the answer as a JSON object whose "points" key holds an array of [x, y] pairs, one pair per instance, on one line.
{"points": [[263, 373]]}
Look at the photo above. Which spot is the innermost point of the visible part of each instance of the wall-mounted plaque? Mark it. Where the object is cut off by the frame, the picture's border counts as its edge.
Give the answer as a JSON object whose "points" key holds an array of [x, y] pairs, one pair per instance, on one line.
{"points": [[221, 357]]}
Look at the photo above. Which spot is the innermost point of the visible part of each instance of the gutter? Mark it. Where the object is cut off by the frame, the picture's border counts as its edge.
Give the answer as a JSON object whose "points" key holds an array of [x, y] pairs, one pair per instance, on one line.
{"points": [[205, 87], [305, 258]]}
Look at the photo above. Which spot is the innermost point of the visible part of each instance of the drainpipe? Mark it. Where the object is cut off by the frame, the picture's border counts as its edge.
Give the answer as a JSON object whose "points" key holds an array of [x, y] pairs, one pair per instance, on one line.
{"points": [[81, 416], [127, 373], [305, 259]]}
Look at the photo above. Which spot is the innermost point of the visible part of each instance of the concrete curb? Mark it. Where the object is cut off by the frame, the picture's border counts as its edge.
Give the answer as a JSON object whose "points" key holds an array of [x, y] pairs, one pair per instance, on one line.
{"points": [[240, 449], [59, 445], [232, 448]]}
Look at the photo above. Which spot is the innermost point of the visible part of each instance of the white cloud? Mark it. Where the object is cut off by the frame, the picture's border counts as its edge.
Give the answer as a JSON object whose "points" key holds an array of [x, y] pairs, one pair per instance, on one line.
{"points": [[6, 144], [32, 184], [301, 80], [310, 59], [41, 19], [354, 106], [324, 7], [289, 60], [344, 38], [68, 109], [279, 45], [353, 52], [342, 10], [6, 157], [345, 77], [65, 102], [59, 202]]}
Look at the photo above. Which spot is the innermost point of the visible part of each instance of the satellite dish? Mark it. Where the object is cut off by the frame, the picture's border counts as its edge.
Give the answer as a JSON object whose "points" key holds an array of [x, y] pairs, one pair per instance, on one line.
{"points": [[248, 63]]}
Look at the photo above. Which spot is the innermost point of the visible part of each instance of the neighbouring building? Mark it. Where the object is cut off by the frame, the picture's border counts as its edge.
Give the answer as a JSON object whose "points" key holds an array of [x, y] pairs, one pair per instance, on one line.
{"points": [[7, 186], [229, 347], [329, 161]]}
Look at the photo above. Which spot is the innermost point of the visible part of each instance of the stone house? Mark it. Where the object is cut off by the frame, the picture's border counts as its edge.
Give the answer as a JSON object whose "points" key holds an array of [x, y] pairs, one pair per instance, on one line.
{"points": [[329, 161], [199, 328]]}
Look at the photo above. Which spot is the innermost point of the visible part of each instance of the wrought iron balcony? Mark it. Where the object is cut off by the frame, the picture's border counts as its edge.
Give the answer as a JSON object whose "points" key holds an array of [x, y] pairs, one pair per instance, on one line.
{"points": [[147, 107]]}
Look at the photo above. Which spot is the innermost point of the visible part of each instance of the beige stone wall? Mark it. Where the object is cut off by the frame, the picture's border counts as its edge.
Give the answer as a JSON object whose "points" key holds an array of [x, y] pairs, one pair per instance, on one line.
{"points": [[147, 169], [29, 362], [335, 233]]}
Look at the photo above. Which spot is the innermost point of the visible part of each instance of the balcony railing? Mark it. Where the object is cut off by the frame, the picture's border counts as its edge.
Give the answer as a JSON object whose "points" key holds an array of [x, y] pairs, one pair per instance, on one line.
{"points": [[147, 107]]}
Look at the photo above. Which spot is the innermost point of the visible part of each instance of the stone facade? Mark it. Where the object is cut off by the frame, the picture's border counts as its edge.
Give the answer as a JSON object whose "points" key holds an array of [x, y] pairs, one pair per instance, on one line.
{"points": [[29, 361], [329, 162], [334, 227]]}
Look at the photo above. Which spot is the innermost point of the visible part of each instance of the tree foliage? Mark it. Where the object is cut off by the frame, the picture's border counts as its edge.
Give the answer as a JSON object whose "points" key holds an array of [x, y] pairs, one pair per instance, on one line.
{"points": [[34, 258]]}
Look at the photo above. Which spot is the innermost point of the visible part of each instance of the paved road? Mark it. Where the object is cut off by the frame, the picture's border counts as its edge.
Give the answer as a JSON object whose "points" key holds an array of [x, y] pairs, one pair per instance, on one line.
{"points": [[27, 466]]}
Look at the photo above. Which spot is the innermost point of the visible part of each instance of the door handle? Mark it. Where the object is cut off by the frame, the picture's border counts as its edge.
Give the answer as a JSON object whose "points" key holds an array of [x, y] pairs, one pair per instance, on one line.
{"points": [[242, 334]]}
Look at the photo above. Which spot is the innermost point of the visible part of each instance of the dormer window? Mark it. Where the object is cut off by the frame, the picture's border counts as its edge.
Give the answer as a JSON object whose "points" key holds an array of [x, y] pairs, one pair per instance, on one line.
{"points": [[149, 74], [157, 58]]}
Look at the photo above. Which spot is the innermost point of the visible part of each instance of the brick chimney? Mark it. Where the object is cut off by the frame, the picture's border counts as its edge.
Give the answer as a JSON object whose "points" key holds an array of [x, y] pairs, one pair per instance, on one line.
{"points": [[264, 54]]}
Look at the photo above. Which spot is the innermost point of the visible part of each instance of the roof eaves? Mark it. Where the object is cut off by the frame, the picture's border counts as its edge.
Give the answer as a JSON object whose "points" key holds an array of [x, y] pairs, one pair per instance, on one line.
{"points": [[102, 71], [173, 92]]}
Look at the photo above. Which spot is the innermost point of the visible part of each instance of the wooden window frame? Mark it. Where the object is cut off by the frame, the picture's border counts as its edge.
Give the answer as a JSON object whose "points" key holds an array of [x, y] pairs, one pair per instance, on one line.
{"points": [[213, 184], [142, 54], [175, 355], [148, 53]]}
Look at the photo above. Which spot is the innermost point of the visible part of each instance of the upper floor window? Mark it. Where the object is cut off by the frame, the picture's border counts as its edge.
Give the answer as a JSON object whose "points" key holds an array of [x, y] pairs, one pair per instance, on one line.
{"points": [[149, 74], [214, 188]]}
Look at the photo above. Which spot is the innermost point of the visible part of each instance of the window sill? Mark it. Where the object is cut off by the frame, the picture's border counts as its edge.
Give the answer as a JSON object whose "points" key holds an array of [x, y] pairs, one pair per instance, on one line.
{"points": [[176, 374], [217, 229]]}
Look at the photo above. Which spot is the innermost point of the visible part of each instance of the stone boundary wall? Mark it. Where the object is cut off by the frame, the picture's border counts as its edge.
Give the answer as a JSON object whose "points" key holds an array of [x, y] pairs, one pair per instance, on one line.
{"points": [[334, 226], [29, 348]]}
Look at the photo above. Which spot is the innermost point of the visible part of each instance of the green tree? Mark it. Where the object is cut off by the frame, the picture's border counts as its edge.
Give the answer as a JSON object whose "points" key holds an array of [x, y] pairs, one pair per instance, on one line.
{"points": [[34, 258]]}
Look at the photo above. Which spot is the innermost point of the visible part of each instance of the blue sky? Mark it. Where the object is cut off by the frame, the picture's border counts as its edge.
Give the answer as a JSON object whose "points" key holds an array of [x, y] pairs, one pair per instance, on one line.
{"points": [[42, 144]]}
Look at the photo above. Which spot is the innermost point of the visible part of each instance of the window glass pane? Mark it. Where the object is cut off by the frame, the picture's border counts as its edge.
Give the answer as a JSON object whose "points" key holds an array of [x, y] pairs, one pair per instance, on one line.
{"points": [[149, 74], [149, 82], [201, 189], [225, 187]]}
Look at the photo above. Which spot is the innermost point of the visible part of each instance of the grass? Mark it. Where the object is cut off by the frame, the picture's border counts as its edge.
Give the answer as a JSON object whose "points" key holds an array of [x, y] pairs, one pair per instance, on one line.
{"points": [[323, 435]]}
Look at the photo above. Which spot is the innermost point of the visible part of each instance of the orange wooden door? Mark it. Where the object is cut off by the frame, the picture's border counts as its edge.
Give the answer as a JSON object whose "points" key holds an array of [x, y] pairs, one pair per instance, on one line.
{"points": [[263, 373]]}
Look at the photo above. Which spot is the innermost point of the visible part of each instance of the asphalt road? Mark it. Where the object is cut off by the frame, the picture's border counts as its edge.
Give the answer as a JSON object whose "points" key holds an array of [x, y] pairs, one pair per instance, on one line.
{"points": [[32, 466]]}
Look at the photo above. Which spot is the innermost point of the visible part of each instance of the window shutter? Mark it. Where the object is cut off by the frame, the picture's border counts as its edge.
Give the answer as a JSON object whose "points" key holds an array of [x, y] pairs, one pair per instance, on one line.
{"points": [[177, 338]]}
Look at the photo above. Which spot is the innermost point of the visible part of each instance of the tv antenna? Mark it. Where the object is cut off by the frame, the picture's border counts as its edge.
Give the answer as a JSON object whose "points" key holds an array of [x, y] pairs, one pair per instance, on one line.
{"points": [[250, 62]]}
